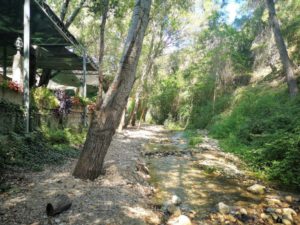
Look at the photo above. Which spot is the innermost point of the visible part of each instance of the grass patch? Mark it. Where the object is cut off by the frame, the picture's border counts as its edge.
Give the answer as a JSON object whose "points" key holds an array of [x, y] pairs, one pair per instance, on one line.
{"points": [[193, 138]]}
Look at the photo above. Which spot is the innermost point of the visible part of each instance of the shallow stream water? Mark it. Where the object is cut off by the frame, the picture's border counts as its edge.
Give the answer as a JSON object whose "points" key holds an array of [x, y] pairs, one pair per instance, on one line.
{"points": [[200, 188]]}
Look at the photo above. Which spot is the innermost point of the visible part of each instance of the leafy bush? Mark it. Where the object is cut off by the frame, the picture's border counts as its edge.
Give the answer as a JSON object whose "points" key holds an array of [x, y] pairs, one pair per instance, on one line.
{"points": [[163, 98], [64, 136], [193, 137], [263, 128], [44, 98]]}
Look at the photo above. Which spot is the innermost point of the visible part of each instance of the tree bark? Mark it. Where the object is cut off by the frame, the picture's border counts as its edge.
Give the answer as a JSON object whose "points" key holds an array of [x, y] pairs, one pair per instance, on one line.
{"points": [[101, 52], [284, 57], [107, 119], [154, 52]]}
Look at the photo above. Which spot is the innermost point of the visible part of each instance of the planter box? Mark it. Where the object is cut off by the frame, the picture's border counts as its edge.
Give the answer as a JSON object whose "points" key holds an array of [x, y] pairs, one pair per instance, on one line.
{"points": [[11, 96]]}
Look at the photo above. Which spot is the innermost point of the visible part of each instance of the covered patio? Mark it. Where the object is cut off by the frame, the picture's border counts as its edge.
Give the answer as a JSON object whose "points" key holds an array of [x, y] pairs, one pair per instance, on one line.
{"points": [[30, 29]]}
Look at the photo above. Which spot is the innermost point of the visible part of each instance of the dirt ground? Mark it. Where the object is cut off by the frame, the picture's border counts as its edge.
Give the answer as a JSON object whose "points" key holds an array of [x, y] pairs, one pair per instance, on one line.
{"points": [[118, 197], [203, 177]]}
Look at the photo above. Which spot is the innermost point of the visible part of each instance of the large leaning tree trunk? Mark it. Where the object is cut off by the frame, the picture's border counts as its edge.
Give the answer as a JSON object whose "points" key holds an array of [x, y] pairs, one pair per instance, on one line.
{"points": [[106, 120], [284, 57]]}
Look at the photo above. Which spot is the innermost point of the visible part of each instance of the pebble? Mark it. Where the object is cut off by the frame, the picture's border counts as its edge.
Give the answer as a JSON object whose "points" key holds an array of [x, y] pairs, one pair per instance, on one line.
{"points": [[257, 189], [274, 201], [223, 208], [180, 220], [171, 208], [286, 222], [269, 210], [278, 211], [288, 214], [288, 199], [243, 211], [264, 216], [274, 216], [176, 200], [57, 220]]}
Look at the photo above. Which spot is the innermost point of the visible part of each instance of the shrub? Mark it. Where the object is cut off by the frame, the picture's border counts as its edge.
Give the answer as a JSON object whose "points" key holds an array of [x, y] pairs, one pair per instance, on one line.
{"points": [[263, 128]]}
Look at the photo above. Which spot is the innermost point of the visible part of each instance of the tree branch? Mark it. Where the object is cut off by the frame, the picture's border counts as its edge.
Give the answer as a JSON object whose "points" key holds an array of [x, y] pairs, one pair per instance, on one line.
{"points": [[74, 14], [64, 9]]}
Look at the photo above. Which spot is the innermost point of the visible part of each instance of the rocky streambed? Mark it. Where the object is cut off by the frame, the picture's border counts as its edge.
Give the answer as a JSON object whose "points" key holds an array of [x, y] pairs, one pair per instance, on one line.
{"points": [[204, 185]]}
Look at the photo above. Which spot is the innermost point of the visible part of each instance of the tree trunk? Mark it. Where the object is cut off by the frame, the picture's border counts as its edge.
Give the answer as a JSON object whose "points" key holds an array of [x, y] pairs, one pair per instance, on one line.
{"points": [[107, 119], [45, 77], [284, 57], [140, 89], [122, 121], [101, 52]]}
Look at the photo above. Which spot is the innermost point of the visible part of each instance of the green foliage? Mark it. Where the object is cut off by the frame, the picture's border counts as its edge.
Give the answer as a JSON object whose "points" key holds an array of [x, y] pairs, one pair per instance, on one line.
{"points": [[44, 98], [31, 151], [263, 128], [163, 98], [193, 137], [64, 136], [11, 118]]}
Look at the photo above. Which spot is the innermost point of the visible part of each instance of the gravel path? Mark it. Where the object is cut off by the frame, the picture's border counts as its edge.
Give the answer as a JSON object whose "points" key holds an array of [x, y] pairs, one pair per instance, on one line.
{"points": [[121, 196]]}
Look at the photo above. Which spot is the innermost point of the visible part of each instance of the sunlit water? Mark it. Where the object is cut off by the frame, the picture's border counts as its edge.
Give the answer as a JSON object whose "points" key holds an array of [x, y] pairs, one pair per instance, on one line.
{"points": [[199, 189]]}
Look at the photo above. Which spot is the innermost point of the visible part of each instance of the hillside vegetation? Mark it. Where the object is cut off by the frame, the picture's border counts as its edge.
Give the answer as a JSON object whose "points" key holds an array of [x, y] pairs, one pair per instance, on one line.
{"points": [[231, 82]]}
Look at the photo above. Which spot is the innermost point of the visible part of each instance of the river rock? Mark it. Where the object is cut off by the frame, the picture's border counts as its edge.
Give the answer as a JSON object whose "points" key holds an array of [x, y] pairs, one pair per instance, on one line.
{"points": [[270, 210], [176, 200], [288, 213], [264, 216], [223, 208], [171, 208], [257, 189], [286, 222], [179, 220], [274, 201], [288, 199], [243, 211], [278, 211]]}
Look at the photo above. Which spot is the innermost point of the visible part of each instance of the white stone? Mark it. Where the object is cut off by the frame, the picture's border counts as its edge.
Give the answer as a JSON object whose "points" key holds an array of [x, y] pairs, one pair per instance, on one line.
{"points": [[289, 199], [257, 189], [223, 208], [176, 200], [286, 222], [274, 201], [243, 211], [180, 220], [288, 213]]}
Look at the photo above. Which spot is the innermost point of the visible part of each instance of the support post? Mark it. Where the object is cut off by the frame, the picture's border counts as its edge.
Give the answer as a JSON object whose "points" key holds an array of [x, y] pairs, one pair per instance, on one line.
{"points": [[26, 62], [84, 89], [4, 61]]}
